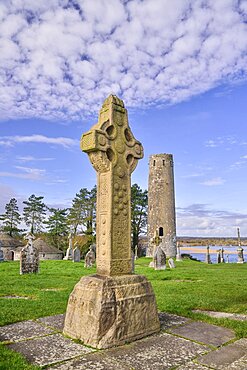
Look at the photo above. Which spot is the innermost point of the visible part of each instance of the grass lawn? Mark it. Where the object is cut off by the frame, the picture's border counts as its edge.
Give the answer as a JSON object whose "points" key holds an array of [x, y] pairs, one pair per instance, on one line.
{"points": [[191, 285]]}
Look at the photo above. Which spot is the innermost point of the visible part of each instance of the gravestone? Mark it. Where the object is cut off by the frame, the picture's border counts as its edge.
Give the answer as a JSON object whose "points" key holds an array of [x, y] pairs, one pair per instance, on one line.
{"points": [[218, 259], [178, 255], [1, 255], [227, 258], [171, 263], [159, 259], [69, 251], [76, 255], [114, 306], [136, 252], [240, 252], [29, 257], [155, 242], [222, 259], [90, 257], [207, 259]]}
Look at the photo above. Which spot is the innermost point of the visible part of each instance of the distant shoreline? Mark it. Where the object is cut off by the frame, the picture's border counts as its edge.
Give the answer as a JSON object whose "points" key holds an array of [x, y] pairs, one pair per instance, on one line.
{"points": [[203, 250], [197, 241]]}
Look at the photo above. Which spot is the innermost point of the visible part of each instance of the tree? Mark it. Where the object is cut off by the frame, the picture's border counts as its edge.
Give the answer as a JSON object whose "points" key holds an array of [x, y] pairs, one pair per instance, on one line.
{"points": [[139, 205], [34, 212], [11, 218], [57, 226], [83, 211]]}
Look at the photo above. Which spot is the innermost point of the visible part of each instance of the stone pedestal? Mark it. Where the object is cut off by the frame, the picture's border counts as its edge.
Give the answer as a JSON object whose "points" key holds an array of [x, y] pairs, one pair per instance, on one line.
{"points": [[107, 311]]}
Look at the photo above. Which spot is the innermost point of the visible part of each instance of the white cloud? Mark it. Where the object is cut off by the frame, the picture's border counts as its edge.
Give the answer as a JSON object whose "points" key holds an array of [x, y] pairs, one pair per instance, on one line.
{"points": [[63, 141], [213, 182], [200, 220], [29, 158], [226, 141], [27, 173], [60, 59]]}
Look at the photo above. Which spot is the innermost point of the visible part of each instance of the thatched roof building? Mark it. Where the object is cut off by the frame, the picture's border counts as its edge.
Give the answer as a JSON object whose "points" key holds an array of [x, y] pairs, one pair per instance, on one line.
{"points": [[8, 244], [46, 251]]}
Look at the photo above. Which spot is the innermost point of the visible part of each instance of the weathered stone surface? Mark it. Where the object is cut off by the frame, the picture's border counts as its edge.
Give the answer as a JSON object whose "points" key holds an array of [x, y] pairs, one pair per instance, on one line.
{"points": [[90, 258], [1, 255], [108, 311], [232, 356], [223, 315], [76, 255], [48, 350], [159, 259], [161, 203], [114, 153], [240, 252], [113, 306], [29, 257], [168, 320], [23, 330], [207, 257], [159, 352], [171, 263], [204, 333], [69, 251], [192, 366], [178, 255], [56, 322], [94, 361]]}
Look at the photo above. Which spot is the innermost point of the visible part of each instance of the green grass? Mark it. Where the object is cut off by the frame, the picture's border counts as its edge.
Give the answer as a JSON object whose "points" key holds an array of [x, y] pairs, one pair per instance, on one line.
{"points": [[191, 285]]}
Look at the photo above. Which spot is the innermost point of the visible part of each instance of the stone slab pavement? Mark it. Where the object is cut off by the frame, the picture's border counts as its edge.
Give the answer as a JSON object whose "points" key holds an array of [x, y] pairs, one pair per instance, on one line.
{"points": [[182, 344]]}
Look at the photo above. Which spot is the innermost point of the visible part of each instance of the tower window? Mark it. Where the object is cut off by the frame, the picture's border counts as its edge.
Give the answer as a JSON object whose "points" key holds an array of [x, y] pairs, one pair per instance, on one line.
{"points": [[163, 162], [154, 163], [161, 233]]}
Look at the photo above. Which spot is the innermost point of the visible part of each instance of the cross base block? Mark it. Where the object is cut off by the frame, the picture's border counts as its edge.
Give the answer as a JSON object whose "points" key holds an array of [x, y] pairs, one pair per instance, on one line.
{"points": [[108, 311]]}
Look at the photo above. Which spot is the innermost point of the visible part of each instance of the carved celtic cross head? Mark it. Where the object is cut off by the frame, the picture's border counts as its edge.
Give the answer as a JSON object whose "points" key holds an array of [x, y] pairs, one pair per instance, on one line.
{"points": [[110, 143]]}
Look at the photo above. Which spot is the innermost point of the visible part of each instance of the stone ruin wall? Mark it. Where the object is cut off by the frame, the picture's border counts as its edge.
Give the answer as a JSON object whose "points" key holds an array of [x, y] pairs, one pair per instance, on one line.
{"points": [[161, 202]]}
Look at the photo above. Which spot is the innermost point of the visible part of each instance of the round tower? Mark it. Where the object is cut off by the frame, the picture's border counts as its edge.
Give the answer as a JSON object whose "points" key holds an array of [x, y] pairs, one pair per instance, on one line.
{"points": [[161, 203]]}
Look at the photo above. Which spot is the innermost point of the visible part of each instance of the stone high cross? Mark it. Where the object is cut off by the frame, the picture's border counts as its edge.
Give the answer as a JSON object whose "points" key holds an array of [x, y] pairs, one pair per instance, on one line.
{"points": [[114, 153]]}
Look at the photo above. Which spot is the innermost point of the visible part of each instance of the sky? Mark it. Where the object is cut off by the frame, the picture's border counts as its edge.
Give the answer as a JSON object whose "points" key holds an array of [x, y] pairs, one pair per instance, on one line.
{"points": [[181, 68]]}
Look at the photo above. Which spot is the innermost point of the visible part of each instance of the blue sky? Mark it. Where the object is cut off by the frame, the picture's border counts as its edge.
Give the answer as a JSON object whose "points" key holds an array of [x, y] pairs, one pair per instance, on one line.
{"points": [[180, 68]]}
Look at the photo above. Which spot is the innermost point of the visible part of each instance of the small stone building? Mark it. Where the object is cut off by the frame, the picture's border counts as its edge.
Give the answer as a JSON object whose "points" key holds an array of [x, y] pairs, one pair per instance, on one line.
{"points": [[46, 251], [9, 246]]}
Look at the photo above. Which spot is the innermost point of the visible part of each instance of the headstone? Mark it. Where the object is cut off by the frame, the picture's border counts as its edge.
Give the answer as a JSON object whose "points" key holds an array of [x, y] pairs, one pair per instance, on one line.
{"points": [[89, 258], [1, 256], [155, 241], [178, 255], [227, 258], [104, 310], [159, 259], [222, 259], [207, 259], [171, 263], [218, 259], [136, 252], [76, 255], [29, 257], [69, 251], [161, 203], [240, 252]]}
